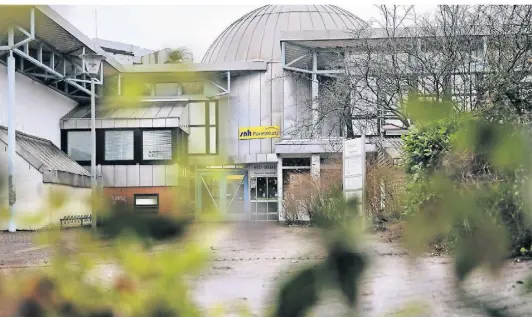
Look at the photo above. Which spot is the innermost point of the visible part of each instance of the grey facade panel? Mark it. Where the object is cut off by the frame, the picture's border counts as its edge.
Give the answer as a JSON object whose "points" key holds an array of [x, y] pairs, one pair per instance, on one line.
{"points": [[243, 112], [120, 176], [132, 123], [133, 172], [266, 107], [83, 124], [120, 123], [108, 175], [146, 123], [146, 175], [277, 96], [159, 123], [69, 124], [108, 123], [159, 175], [255, 91]]}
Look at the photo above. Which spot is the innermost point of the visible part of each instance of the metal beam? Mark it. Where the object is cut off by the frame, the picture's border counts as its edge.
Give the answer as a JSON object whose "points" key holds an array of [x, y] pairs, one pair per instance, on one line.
{"points": [[48, 69], [297, 59]]}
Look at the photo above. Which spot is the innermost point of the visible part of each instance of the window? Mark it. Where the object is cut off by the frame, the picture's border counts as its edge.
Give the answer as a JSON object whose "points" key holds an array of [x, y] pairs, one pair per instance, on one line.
{"points": [[203, 138], [119, 145], [148, 201], [79, 145], [193, 88], [157, 145]]}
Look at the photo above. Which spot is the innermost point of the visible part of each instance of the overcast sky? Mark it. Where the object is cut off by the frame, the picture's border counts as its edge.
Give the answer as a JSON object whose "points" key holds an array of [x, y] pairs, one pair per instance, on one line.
{"points": [[159, 26]]}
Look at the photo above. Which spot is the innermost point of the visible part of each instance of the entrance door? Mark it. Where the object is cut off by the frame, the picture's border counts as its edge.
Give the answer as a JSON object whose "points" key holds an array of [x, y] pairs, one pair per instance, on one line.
{"points": [[264, 199], [224, 192]]}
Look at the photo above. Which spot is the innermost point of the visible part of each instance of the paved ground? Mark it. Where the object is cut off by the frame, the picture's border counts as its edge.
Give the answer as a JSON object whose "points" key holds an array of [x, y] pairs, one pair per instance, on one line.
{"points": [[249, 263]]}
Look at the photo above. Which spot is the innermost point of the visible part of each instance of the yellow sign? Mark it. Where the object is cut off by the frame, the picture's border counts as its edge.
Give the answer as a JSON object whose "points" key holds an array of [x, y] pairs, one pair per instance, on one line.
{"points": [[249, 133]]}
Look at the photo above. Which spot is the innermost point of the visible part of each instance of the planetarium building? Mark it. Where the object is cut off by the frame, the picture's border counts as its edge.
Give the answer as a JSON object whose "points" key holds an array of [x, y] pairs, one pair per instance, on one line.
{"points": [[227, 131]]}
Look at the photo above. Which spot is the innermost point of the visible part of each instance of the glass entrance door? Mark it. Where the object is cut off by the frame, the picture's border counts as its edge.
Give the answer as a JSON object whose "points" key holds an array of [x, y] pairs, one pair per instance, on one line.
{"points": [[264, 199], [222, 191]]}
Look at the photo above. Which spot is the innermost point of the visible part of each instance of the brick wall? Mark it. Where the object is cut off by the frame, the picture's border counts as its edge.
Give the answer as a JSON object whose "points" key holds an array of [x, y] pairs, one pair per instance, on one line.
{"points": [[171, 199]]}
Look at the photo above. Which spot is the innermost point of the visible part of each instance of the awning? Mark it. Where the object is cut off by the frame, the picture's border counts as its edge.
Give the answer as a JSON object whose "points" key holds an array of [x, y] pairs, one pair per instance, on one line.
{"points": [[166, 114]]}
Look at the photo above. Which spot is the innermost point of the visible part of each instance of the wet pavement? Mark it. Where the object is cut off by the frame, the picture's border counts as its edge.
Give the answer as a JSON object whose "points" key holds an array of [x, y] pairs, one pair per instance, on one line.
{"points": [[250, 261]]}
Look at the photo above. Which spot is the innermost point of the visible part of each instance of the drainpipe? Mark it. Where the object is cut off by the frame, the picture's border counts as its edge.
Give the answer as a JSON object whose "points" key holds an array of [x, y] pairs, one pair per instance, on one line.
{"points": [[11, 141]]}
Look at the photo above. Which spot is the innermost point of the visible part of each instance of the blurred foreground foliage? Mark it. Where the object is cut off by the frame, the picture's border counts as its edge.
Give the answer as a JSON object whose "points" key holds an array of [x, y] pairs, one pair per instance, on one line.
{"points": [[467, 176], [472, 176]]}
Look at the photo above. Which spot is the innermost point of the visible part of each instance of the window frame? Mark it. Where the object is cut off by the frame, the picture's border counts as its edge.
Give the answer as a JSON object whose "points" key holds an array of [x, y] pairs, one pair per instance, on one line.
{"points": [[102, 145], [207, 125], [152, 208], [174, 136], [64, 144]]}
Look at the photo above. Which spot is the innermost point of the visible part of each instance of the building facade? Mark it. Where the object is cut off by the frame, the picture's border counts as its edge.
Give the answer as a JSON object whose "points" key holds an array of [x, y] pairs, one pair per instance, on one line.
{"points": [[221, 134]]}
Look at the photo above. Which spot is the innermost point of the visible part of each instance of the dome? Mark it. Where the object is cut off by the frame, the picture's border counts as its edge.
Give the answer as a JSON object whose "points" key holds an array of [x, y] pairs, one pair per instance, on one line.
{"points": [[256, 35]]}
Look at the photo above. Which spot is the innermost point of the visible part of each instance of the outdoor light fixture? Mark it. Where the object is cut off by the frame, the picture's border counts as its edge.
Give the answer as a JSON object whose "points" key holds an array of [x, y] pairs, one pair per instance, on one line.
{"points": [[92, 63]]}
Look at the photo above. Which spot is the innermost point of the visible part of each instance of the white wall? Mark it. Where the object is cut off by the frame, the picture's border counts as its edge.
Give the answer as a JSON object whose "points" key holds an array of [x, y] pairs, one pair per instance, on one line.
{"points": [[38, 108], [32, 196]]}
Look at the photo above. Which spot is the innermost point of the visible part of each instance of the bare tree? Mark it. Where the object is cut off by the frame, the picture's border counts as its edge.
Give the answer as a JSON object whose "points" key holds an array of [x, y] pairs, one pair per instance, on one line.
{"points": [[477, 57]]}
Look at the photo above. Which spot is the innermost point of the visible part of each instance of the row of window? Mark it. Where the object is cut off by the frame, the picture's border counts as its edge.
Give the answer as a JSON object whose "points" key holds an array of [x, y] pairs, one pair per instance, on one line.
{"points": [[126, 146], [119, 145]]}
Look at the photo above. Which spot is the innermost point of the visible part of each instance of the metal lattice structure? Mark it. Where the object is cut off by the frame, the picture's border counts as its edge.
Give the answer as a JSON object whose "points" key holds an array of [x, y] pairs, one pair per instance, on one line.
{"points": [[47, 49]]}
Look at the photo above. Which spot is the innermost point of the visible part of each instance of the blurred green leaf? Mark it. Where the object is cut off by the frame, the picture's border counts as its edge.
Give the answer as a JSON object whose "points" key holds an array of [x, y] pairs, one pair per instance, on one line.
{"points": [[424, 110], [297, 296], [346, 267]]}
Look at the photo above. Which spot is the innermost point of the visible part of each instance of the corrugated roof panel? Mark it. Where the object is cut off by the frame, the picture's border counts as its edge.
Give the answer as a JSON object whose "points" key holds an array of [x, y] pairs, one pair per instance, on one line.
{"points": [[48, 155]]}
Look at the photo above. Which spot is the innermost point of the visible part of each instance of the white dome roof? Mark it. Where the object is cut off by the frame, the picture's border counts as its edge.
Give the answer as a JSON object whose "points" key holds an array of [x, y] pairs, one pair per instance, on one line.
{"points": [[257, 34]]}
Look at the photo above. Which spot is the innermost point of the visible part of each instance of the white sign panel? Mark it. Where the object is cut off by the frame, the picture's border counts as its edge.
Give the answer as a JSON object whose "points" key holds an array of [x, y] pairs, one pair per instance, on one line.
{"points": [[264, 170], [354, 167]]}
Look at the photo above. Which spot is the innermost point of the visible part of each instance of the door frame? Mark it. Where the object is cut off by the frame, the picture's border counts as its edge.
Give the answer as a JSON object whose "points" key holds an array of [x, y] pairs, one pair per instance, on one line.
{"points": [[221, 174]]}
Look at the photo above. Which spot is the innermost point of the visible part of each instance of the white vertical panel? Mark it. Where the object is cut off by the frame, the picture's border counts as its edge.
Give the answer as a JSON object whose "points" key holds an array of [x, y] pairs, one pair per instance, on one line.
{"points": [[133, 175], [290, 109], [146, 175], [83, 124], [159, 175], [108, 123], [231, 146], [224, 127], [277, 96], [197, 113], [133, 123], [354, 154], [243, 112], [303, 106], [120, 176], [108, 175], [120, 123], [255, 89], [266, 107]]}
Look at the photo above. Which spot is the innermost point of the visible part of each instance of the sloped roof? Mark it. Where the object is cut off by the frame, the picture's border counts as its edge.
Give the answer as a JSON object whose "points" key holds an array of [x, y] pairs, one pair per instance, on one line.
{"points": [[163, 114], [48, 159]]}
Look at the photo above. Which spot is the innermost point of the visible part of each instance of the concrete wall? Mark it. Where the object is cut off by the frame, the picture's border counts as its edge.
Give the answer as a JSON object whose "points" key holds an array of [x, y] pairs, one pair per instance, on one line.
{"points": [[38, 108], [32, 196]]}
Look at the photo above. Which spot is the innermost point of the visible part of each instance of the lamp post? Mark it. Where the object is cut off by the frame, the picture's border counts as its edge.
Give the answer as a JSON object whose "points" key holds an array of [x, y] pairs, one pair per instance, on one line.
{"points": [[91, 65]]}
